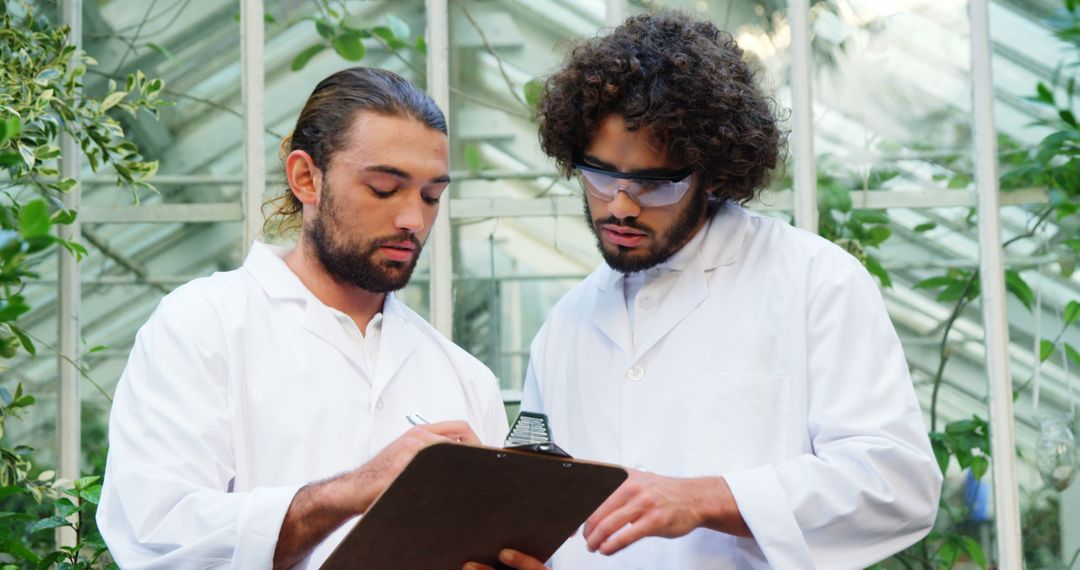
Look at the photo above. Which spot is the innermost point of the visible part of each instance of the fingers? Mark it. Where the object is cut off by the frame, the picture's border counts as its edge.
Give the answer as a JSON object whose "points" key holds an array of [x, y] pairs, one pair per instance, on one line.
{"points": [[611, 525], [453, 430], [515, 559], [511, 558], [627, 536], [620, 497]]}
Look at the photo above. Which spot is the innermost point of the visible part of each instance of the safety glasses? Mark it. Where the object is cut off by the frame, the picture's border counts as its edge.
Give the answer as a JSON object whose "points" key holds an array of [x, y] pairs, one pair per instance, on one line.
{"points": [[645, 189]]}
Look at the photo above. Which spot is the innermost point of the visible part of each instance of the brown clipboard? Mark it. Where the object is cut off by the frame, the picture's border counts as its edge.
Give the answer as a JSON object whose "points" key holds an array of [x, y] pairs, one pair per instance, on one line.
{"points": [[456, 503]]}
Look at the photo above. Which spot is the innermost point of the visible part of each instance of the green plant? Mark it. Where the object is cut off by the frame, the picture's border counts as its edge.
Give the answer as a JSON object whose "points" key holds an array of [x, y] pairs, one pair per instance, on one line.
{"points": [[42, 95]]}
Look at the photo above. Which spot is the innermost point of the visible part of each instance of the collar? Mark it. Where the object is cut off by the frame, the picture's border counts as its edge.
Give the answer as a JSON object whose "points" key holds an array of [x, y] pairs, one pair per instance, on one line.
{"points": [[719, 242], [266, 263]]}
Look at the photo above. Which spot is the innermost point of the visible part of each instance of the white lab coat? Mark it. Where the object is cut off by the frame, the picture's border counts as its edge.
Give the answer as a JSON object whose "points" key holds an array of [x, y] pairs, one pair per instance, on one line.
{"points": [[243, 387], [770, 360]]}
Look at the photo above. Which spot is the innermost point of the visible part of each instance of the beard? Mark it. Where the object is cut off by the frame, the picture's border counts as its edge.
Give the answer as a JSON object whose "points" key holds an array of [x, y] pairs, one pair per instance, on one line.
{"points": [[352, 261], [626, 260]]}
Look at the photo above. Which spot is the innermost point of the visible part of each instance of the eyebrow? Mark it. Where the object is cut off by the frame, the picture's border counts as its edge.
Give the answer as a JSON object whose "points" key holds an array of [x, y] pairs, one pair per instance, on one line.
{"points": [[644, 171], [399, 173]]}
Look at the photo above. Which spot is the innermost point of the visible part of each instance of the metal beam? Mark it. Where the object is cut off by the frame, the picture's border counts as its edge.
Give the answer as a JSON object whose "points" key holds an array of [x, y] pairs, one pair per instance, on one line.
{"points": [[438, 86], [251, 89], [614, 12], [992, 279], [464, 208], [69, 420], [802, 118]]}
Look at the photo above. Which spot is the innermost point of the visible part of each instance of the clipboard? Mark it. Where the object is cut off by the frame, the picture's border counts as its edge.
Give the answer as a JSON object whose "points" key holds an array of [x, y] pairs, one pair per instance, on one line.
{"points": [[456, 503]]}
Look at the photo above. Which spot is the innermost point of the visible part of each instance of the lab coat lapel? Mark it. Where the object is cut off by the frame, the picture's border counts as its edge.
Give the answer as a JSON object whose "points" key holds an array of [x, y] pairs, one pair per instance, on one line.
{"points": [[609, 313], [320, 321], [397, 342], [689, 290]]}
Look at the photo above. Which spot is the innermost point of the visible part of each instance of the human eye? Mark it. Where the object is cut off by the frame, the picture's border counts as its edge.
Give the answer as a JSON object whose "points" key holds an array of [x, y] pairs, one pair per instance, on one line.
{"points": [[379, 193], [432, 194]]}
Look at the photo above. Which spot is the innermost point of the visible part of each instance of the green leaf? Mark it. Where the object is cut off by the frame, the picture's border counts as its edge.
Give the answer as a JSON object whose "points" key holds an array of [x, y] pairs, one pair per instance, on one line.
{"points": [[27, 155], [383, 32], [111, 100], [63, 217], [1071, 353], [1072, 312], [875, 268], [1045, 95], [98, 348], [47, 75], [85, 482], [46, 152], [1018, 287], [19, 551], [349, 46], [305, 56], [870, 216], [878, 234], [324, 28], [27, 344], [10, 128], [1067, 116], [421, 45], [533, 89], [9, 159], [161, 50], [979, 466], [935, 282], [34, 219], [91, 494], [398, 26], [948, 553], [1046, 349], [925, 227], [974, 550], [49, 523]]}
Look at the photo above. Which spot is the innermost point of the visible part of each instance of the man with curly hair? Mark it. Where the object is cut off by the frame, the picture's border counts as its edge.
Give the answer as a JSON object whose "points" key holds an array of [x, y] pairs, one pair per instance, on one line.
{"points": [[745, 371]]}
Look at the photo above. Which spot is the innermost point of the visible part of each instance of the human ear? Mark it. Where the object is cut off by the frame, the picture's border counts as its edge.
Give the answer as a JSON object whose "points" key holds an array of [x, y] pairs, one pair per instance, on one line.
{"points": [[305, 179]]}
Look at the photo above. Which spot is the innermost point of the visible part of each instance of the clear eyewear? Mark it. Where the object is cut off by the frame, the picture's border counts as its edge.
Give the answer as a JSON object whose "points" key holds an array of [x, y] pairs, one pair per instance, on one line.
{"points": [[646, 190]]}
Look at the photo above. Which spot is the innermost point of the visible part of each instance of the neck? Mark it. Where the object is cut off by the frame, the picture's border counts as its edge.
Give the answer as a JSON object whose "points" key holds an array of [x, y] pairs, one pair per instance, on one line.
{"points": [[359, 304]]}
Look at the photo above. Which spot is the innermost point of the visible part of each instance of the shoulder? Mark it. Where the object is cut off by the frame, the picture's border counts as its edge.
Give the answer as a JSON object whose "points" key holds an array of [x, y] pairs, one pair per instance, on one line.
{"points": [[459, 357], [205, 302], [775, 241]]}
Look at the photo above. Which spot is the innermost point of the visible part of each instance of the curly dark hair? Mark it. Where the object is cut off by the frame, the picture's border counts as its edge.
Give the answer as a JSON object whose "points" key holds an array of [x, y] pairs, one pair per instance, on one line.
{"points": [[681, 77]]}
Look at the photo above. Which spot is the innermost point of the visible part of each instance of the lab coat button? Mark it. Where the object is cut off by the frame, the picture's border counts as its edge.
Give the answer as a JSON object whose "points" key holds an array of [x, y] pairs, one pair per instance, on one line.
{"points": [[379, 404], [646, 303], [636, 373]]}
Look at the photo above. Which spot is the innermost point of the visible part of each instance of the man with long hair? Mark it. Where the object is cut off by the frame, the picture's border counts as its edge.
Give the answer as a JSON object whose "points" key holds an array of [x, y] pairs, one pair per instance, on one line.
{"points": [[263, 408]]}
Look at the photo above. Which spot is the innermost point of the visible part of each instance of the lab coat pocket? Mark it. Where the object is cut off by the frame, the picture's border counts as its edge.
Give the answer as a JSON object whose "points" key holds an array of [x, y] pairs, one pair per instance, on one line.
{"points": [[739, 421]]}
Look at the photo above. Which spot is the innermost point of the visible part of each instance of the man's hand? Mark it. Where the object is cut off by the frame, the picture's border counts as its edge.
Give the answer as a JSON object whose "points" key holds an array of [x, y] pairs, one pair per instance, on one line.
{"points": [[317, 509], [653, 505], [364, 484], [511, 558]]}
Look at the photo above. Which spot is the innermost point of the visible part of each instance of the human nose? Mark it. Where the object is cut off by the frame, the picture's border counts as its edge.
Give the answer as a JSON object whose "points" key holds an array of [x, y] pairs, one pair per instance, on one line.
{"points": [[411, 215], [623, 205]]}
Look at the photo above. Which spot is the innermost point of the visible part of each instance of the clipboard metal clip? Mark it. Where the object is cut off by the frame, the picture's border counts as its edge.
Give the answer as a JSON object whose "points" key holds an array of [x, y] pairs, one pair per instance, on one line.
{"points": [[531, 433]]}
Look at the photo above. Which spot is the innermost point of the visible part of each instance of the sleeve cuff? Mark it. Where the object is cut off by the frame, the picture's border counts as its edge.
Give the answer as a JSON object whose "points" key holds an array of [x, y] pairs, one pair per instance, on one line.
{"points": [[260, 525], [762, 504]]}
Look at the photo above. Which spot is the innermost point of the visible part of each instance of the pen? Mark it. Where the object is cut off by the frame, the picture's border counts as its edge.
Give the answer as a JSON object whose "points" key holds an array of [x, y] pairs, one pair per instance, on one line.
{"points": [[416, 419]]}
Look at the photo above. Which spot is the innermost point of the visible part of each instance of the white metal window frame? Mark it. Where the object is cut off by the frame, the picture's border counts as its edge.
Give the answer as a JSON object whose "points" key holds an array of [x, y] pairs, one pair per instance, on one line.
{"points": [[803, 201]]}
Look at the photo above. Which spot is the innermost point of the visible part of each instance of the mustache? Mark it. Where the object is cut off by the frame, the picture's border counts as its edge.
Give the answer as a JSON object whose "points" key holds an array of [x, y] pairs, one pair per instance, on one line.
{"points": [[631, 223], [409, 237]]}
